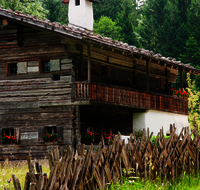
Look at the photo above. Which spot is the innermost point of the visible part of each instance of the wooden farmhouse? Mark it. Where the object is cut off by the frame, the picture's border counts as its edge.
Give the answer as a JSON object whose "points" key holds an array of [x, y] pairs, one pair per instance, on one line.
{"points": [[67, 80]]}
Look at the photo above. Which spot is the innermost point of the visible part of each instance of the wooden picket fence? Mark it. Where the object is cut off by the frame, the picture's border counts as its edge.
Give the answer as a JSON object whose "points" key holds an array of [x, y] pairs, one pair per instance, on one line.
{"points": [[88, 169]]}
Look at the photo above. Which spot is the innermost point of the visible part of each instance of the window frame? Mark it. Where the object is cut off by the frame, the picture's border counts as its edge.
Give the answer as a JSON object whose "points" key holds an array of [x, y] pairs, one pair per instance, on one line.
{"points": [[59, 132], [52, 128], [10, 132], [41, 66], [14, 132], [8, 69]]}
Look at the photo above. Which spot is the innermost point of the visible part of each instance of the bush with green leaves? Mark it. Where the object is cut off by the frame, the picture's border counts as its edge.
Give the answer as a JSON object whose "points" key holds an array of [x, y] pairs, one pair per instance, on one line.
{"points": [[31, 7], [153, 138]]}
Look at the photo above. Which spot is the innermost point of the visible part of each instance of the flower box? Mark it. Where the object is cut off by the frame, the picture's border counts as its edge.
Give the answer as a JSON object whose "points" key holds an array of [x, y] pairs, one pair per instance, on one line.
{"points": [[89, 137], [50, 137], [180, 93], [8, 139]]}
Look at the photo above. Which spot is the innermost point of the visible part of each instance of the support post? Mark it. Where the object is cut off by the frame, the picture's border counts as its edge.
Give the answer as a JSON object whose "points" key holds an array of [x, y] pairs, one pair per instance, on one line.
{"points": [[147, 76], [89, 63], [181, 77]]}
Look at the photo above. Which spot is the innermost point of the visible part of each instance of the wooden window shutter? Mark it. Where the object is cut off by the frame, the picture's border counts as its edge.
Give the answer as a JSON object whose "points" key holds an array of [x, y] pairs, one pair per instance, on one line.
{"points": [[40, 135], [59, 134], [21, 67], [1, 135], [17, 135], [55, 65]]}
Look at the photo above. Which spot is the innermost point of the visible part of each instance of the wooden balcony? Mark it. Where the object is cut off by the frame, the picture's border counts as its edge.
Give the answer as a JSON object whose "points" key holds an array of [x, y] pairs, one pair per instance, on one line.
{"points": [[84, 91]]}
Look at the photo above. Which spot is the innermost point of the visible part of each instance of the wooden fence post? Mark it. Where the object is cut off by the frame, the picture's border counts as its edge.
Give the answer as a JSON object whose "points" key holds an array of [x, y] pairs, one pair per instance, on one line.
{"points": [[172, 170], [145, 167]]}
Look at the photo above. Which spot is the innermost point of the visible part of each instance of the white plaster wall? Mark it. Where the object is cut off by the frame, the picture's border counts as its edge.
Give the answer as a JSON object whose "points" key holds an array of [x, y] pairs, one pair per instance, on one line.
{"points": [[156, 119], [81, 15], [139, 121]]}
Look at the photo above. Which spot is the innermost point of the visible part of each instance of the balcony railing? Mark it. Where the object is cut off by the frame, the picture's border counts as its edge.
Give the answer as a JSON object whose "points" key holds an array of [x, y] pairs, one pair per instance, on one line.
{"points": [[84, 91]]}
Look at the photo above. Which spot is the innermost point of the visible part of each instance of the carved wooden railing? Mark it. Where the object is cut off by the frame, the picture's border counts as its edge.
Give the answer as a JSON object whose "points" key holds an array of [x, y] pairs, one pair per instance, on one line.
{"points": [[128, 97]]}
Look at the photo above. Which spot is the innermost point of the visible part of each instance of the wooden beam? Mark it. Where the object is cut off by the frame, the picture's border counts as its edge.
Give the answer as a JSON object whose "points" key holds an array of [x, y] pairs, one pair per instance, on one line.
{"points": [[89, 63], [181, 77], [81, 66], [147, 76]]}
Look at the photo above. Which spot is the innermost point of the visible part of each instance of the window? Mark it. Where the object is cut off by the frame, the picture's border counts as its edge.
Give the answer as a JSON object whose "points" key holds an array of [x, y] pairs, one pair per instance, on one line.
{"points": [[56, 77], [77, 2], [12, 68], [51, 130], [16, 68], [50, 134], [9, 132], [45, 66], [8, 136]]}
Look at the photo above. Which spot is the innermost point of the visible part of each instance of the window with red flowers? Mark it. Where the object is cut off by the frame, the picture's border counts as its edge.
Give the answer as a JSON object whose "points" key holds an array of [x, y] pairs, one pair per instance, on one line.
{"points": [[50, 134], [8, 136]]}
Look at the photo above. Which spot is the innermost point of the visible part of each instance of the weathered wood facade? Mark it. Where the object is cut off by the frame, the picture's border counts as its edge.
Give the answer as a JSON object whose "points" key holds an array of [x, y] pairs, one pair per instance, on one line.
{"points": [[92, 83]]}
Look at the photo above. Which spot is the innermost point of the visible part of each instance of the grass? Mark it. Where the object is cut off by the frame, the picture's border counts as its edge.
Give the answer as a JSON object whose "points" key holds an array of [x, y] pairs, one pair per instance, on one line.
{"points": [[188, 182], [20, 169]]}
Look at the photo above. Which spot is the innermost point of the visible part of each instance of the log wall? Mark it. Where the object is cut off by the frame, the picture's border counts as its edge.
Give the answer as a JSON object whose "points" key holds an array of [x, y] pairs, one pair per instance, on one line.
{"points": [[24, 97]]}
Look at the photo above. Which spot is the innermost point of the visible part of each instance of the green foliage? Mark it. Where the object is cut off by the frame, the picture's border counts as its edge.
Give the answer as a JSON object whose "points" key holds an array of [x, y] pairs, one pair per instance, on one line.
{"points": [[7, 139], [106, 27], [138, 133], [160, 27], [194, 106], [192, 56], [127, 20], [188, 182], [89, 136], [57, 11], [31, 7], [108, 8], [49, 137], [124, 17], [153, 138]]}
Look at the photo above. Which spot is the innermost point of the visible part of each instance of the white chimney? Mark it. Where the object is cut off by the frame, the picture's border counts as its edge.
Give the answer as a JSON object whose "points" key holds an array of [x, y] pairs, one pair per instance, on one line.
{"points": [[80, 13]]}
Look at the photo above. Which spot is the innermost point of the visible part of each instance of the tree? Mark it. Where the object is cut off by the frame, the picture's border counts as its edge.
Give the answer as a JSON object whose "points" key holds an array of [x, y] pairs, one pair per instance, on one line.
{"points": [[127, 19], [57, 11], [31, 7], [192, 56], [193, 20], [106, 27], [108, 8], [162, 28]]}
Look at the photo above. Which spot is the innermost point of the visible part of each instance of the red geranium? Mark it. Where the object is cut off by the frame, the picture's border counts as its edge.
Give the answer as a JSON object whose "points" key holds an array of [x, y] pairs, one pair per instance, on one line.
{"points": [[107, 136], [179, 93], [7, 139], [49, 137], [89, 136]]}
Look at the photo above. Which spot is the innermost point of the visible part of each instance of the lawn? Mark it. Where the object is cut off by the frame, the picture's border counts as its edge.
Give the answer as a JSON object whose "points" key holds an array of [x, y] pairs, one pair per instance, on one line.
{"points": [[188, 182], [20, 168]]}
